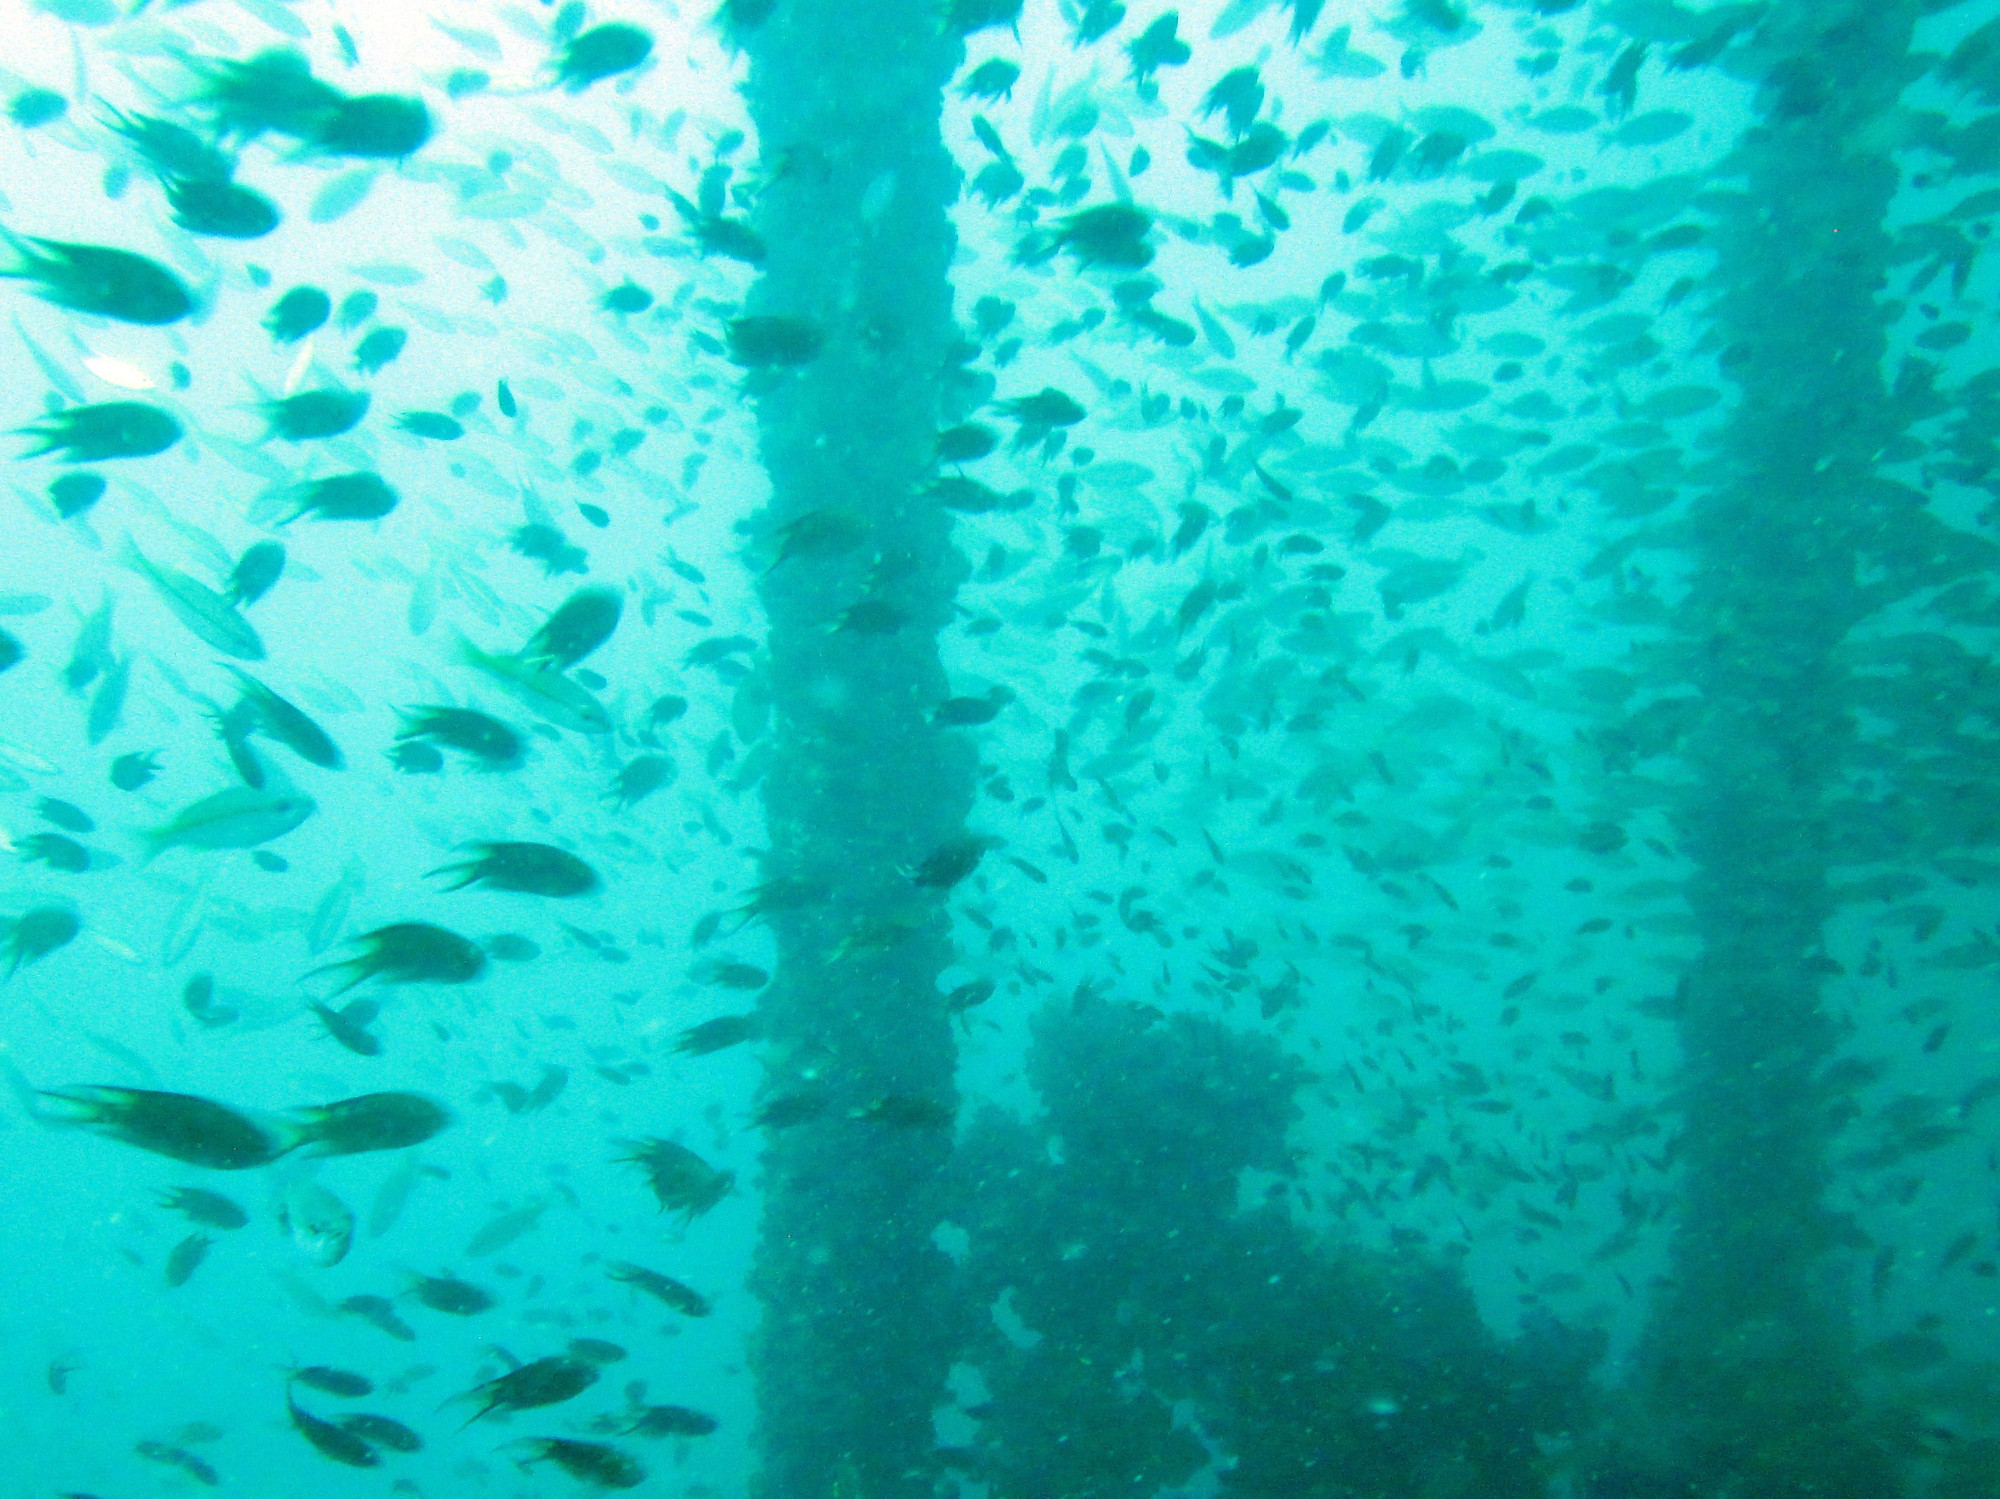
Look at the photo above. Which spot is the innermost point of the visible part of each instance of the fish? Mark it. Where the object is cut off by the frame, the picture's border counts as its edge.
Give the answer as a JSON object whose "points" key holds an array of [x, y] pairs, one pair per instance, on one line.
{"points": [[577, 628], [316, 414], [105, 431], [179, 1457], [91, 654], [187, 1257], [499, 1232], [220, 208], [668, 1421], [381, 1431], [256, 572], [331, 1381], [210, 1209], [134, 769], [596, 1463], [369, 1122], [524, 869], [65, 815], [663, 1288], [409, 952], [76, 492], [450, 1295], [719, 1034], [107, 703], [279, 719], [206, 614], [317, 1222], [680, 1180], [434, 425], [119, 372], [489, 743], [380, 1314], [542, 689], [546, 1381], [520, 1100], [99, 280], [180, 1126], [349, 1025], [300, 311], [336, 1443], [329, 912], [237, 817]]}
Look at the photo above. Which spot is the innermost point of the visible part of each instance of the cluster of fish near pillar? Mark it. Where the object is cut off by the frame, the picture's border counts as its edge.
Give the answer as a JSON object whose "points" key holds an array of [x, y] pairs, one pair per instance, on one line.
{"points": [[855, 1339], [1749, 1366]]}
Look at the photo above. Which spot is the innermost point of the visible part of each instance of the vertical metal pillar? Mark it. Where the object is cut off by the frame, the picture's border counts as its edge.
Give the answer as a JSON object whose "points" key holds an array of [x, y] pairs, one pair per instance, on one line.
{"points": [[1748, 1353], [855, 1339]]}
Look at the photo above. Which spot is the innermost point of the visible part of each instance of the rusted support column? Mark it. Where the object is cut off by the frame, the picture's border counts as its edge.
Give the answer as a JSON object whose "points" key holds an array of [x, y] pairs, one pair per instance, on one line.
{"points": [[855, 1339]]}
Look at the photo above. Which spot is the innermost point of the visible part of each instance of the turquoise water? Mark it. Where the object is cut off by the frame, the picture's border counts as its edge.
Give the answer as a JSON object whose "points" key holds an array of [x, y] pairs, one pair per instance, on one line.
{"points": [[1340, 841]]}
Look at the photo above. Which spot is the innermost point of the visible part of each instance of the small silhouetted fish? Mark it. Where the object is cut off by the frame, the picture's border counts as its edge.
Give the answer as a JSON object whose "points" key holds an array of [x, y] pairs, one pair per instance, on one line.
{"points": [[187, 1257], [349, 1025], [297, 313], [373, 1121], [131, 771], [35, 107], [54, 850], [381, 1431], [682, 1298], [379, 1313], [717, 1034], [332, 1381], [178, 1457], [210, 1209], [329, 1440], [596, 1463], [180, 1126], [520, 1100], [379, 346], [969, 712], [450, 1295], [505, 1229], [434, 425], [74, 493], [317, 1221], [669, 1421], [65, 815], [198, 999], [547, 1381]]}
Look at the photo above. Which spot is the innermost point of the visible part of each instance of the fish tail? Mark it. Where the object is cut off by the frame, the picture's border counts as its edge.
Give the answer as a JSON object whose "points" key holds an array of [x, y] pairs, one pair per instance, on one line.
{"points": [[29, 1096], [331, 968], [24, 268]]}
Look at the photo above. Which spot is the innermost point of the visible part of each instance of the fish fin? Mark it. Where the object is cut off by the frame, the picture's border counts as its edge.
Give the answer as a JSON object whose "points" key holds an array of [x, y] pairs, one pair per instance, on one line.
{"points": [[329, 968], [468, 873]]}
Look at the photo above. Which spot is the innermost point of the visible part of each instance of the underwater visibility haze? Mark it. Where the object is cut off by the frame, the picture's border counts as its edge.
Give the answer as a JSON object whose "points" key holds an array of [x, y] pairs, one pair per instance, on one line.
{"points": [[1002, 749]]}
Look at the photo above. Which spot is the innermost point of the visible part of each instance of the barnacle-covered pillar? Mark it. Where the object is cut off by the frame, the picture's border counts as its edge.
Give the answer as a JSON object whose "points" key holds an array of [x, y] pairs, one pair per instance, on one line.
{"points": [[1748, 1365], [853, 1348]]}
